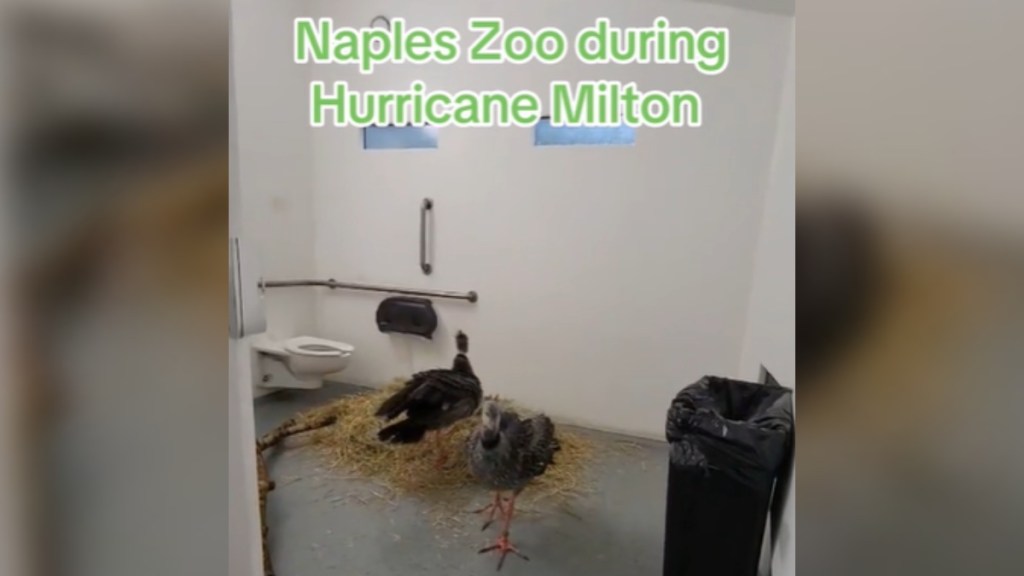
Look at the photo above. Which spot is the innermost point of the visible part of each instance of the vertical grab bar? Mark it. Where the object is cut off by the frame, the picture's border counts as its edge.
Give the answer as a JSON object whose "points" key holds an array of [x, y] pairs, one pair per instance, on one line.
{"points": [[425, 207]]}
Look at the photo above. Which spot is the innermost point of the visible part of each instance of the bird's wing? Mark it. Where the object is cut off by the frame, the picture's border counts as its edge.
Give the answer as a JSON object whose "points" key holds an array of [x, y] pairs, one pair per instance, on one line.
{"points": [[444, 397], [445, 386], [537, 445], [399, 401]]}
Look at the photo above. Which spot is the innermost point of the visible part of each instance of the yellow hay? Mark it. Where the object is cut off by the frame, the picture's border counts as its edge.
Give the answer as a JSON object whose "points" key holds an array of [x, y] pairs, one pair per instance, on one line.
{"points": [[351, 445]]}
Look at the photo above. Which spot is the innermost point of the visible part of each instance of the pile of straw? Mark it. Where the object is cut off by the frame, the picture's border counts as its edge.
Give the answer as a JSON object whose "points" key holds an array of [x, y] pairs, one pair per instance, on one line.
{"points": [[351, 445]]}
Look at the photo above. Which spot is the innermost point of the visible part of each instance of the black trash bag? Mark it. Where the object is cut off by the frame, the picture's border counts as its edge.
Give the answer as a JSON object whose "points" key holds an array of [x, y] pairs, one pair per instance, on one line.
{"points": [[729, 440]]}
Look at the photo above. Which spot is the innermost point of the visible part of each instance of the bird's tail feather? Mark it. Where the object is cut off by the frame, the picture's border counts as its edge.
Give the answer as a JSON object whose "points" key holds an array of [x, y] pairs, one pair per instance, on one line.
{"points": [[555, 447], [404, 432]]}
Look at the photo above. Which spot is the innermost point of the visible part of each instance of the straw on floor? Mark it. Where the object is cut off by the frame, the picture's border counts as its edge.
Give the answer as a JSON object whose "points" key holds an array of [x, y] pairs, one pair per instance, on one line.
{"points": [[351, 444], [264, 484], [344, 432]]}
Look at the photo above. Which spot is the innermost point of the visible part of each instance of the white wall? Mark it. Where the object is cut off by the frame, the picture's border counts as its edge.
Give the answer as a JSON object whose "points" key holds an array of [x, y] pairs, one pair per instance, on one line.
{"points": [[771, 330], [244, 540], [609, 278], [854, 118], [275, 156]]}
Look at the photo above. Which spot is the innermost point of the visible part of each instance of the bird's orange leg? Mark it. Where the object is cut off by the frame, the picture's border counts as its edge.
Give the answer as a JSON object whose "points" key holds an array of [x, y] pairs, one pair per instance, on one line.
{"points": [[435, 447], [492, 509], [435, 442], [503, 546]]}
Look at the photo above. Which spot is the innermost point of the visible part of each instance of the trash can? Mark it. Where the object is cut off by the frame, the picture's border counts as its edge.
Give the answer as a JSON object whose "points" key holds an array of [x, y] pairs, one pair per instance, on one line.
{"points": [[728, 442]]}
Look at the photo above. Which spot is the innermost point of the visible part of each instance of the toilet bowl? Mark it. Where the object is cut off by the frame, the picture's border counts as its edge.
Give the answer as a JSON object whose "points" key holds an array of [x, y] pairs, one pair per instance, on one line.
{"points": [[305, 361]]}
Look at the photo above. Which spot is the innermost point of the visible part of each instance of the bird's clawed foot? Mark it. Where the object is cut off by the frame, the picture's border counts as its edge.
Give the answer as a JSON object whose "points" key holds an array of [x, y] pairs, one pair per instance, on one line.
{"points": [[504, 548]]}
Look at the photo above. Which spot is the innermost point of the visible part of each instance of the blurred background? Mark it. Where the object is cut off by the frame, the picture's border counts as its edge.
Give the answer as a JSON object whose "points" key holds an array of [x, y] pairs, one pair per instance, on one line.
{"points": [[910, 275], [910, 279], [116, 212]]}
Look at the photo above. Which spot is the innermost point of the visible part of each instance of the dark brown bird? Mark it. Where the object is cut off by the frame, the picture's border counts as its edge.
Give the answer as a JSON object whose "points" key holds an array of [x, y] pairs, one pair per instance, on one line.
{"points": [[433, 400]]}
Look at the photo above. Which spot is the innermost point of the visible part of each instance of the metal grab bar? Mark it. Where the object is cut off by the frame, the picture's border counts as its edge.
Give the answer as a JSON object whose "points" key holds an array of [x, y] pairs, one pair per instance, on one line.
{"points": [[470, 296], [425, 207]]}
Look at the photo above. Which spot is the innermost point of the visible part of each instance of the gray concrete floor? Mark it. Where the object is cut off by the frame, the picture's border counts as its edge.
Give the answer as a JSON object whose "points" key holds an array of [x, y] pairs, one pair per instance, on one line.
{"points": [[317, 527]]}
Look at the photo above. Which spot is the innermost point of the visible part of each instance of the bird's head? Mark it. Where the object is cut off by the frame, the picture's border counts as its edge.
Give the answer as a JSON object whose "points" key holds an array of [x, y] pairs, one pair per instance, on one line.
{"points": [[490, 425]]}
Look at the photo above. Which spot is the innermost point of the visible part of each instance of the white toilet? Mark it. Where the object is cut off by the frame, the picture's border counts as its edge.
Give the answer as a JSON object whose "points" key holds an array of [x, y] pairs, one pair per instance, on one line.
{"points": [[300, 362]]}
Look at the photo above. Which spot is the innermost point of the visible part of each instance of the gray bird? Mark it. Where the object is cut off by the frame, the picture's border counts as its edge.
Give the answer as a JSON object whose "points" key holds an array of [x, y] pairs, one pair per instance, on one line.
{"points": [[505, 453], [433, 400]]}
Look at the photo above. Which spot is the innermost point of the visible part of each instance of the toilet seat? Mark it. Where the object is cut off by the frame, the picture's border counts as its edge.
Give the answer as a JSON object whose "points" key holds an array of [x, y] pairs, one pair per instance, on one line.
{"points": [[311, 346]]}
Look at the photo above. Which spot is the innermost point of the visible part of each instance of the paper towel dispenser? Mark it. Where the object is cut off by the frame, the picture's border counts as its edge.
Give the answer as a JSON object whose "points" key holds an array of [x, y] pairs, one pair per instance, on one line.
{"points": [[406, 315]]}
